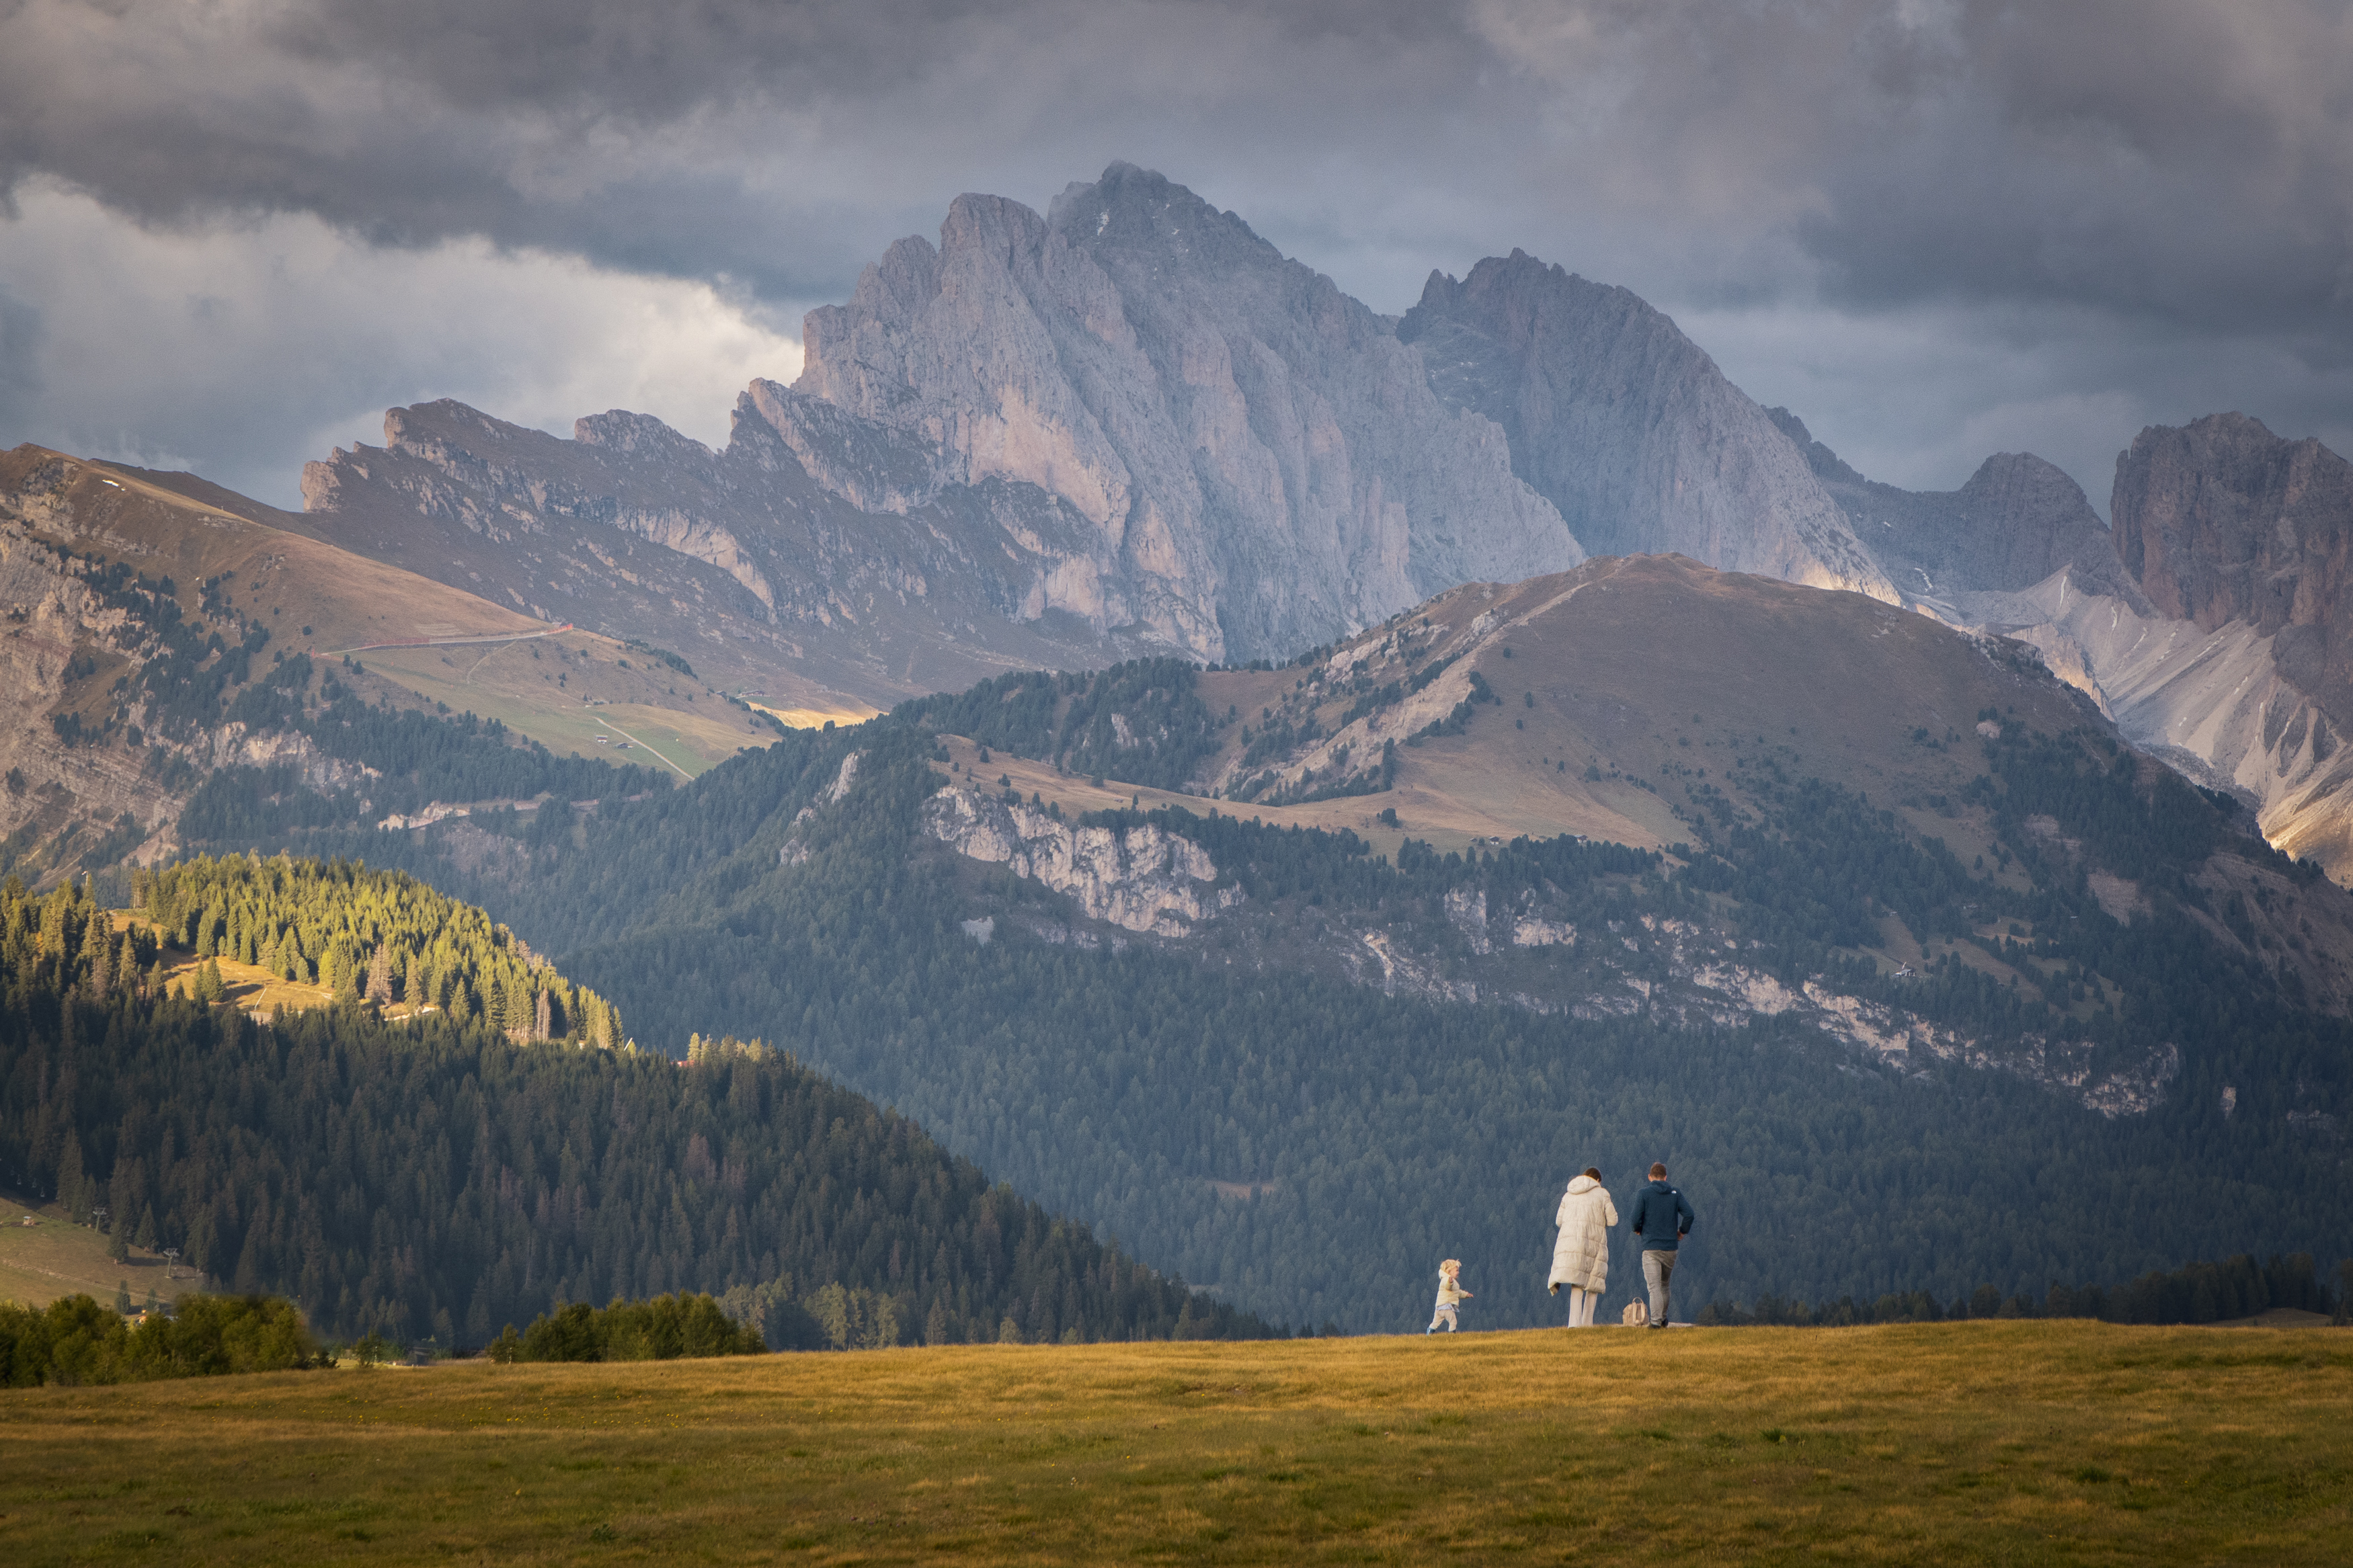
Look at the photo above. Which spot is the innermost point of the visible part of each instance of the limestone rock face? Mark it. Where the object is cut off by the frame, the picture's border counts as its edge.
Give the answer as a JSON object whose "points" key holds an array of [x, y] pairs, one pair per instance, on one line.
{"points": [[1628, 428], [1263, 461], [1141, 880], [814, 554], [2222, 520]]}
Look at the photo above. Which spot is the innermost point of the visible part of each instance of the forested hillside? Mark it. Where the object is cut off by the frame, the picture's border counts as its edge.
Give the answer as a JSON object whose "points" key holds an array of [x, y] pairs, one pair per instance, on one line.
{"points": [[440, 1178], [1311, 1145], [380, 936]]}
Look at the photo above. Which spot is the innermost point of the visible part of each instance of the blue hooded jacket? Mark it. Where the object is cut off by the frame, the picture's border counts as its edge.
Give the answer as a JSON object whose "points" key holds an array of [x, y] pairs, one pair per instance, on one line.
{"points": [[1662, 1217]]}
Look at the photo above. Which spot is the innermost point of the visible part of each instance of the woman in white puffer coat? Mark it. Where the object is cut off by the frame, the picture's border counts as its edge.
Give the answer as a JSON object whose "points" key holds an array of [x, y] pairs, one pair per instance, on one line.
{"points": [[1580, 1258]]}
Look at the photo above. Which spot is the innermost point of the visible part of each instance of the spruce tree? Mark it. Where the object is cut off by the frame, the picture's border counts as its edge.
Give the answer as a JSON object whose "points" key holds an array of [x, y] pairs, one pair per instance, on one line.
{"points": [[101, 962], [518, 1019], [379, 977], [70, 1177]]}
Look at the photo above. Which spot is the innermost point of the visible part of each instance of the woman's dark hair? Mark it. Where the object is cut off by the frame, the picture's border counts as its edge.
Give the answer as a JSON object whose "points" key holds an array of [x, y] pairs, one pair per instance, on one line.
{"points": [[1592, 1172]]}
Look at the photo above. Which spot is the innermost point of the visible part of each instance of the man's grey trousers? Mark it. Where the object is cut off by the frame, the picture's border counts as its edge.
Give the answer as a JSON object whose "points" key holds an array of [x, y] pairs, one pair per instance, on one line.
{"points": [[1658, 1268]]}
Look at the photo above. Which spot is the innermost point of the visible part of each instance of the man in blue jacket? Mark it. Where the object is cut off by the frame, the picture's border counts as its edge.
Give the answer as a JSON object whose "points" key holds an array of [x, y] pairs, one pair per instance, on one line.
{"points": [[1662, 1218]]}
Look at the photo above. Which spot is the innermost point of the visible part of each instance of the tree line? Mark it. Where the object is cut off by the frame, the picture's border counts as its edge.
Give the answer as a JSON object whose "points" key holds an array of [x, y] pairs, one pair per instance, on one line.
{"points": [[78, 1344], [2202, 1292]]}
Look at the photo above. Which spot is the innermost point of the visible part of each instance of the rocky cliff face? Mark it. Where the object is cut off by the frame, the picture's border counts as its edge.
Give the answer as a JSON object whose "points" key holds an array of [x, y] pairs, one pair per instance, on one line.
{"points": [[1626, 427], [2222, 520], [1261, 457], [757, 560], [1140, 880]]}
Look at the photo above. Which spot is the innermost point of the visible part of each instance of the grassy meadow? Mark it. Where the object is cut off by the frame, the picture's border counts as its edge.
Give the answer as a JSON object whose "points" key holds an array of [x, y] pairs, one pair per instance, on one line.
{"points": [[515, 683], [54, 1257], [1988, 1442]]}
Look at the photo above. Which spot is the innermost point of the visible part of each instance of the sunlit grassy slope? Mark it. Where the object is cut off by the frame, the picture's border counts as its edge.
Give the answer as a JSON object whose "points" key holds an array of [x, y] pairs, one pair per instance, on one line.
{"points": [[583, 695], [317, 596], [2070, 1443], [39, 1263]]}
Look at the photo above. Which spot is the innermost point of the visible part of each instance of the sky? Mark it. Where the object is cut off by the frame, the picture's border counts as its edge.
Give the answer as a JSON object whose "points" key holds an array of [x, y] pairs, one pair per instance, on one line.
{"points": [[233, 232]]}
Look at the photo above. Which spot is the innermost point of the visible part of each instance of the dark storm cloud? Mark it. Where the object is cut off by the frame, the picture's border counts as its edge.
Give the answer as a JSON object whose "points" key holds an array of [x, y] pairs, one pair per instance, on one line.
{"points": [[719, 139], [2179, 158], [2173, 180], [2184, 158]]}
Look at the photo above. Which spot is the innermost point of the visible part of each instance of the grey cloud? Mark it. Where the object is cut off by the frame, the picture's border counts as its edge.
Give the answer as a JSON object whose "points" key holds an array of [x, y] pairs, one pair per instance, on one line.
{"points": [[2189, 158], [777, 145], [20, 370], [2174, 178], [2186, 159]]}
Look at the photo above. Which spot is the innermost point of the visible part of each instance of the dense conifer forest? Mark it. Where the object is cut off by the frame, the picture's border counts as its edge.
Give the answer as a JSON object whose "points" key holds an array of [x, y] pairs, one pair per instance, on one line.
{"points": [[440, 1179], [1310, 1147]]}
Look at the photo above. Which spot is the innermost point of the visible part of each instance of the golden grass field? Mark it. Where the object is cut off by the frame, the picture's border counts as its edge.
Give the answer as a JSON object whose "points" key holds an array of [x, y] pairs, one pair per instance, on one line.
{"points": [[1991, 1442]]}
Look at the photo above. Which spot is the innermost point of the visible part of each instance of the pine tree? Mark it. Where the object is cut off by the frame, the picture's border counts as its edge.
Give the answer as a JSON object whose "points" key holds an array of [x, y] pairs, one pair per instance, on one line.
{"points": [[71, 1180], [518, 1019], [101, 965], [145, 1237]]}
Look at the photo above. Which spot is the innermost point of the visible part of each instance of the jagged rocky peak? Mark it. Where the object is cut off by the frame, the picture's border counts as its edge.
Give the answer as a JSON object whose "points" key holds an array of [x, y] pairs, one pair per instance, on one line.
{"points": [[1263, 460], [2016, 521], [638, 435], [1628, 427]]}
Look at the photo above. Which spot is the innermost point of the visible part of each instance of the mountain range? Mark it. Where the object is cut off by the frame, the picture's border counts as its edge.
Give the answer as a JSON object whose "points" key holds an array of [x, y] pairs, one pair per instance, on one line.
{"points": [[1327, 756], [1130, 425]]}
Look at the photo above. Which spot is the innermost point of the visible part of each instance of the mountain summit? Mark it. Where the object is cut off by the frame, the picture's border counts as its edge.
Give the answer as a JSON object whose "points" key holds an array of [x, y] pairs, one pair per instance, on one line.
{"points": [[1263, 461], [1126, 424]]}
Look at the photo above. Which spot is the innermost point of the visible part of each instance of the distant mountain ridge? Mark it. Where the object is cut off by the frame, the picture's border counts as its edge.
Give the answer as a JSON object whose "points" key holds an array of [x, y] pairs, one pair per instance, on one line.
{"points": [[1129, 426], [1123, 426]]}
